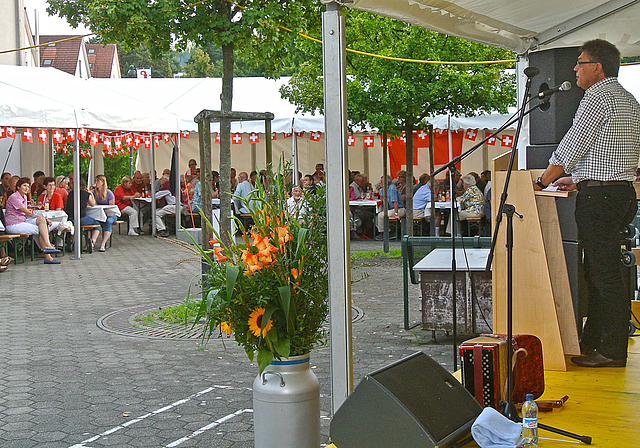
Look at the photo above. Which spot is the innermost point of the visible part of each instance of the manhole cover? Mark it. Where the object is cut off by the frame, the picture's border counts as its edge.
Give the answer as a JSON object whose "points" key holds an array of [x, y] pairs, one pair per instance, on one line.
{"points": [[123, 322]]}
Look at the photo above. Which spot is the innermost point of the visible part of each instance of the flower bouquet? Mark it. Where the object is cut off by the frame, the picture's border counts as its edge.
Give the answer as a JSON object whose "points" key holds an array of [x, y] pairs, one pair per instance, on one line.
{"points": [[269, 289]]}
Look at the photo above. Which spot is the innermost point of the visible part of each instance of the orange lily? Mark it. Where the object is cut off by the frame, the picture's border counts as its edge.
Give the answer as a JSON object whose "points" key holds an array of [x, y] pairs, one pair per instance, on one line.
{"points": [[251, 262], [217, 251], [284, 235], [295, 273]]}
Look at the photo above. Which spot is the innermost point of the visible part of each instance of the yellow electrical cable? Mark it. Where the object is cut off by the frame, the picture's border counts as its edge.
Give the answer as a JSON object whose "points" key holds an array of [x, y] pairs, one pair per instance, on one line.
{"points": [[391, 58]]}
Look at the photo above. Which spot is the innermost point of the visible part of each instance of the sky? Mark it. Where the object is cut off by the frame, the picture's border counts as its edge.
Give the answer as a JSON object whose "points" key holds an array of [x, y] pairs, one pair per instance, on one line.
{"points": [[49, 24]]}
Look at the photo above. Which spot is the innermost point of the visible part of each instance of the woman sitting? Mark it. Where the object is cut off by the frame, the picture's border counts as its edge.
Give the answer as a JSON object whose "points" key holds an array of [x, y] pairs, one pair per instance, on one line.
{"points": [[62, 182], [86, 199], [104, 196], [471, 202], [19, 219], [123, 194], [50, 200]]}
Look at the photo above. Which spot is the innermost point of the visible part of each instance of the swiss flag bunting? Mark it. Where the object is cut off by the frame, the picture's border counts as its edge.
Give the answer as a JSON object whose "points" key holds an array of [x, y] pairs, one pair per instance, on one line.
{"points": [[11, 132], [147, 141], [65, 150], [236, 138], [43, 135], [185, 134], [94, 138], [106, 141], [117, 141], [71, 135], [136, 141], [507, 141], [300, 134], [254, 137], [492, 140], [56, 136], [315, 136], [156, 140], [367, 141], [3, 132], [27, 135], [274, 136], [82, 135], [166, 138], [128, 139], [351, 140], [217, 138], [471, 134], [287, 134]]}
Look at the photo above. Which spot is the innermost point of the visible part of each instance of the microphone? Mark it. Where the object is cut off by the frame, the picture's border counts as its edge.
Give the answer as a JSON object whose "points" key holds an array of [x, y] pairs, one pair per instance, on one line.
{"points": [[561, 88]]}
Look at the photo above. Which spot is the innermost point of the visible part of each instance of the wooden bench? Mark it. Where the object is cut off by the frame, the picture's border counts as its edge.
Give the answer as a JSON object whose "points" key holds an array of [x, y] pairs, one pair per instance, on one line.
{"points": [[475, 223], [86, 230]]}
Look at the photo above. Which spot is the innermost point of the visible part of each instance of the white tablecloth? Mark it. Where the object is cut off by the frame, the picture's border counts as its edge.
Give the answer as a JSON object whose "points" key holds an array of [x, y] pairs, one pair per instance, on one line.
{"points": [[368, 203], [100, 212]]}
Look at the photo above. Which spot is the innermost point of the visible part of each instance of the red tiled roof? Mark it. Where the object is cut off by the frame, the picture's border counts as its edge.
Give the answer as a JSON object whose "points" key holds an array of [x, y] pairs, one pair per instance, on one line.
{"points": [[101, 60], [64, 55]]}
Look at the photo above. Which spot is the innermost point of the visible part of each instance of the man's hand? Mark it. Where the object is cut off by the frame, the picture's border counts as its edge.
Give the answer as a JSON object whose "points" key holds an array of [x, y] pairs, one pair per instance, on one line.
{"points": [[565, 183]]}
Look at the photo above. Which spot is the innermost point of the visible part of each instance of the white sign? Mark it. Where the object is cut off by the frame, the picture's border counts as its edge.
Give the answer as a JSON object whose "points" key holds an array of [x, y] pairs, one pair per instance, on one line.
{"points": [[144, 73]]}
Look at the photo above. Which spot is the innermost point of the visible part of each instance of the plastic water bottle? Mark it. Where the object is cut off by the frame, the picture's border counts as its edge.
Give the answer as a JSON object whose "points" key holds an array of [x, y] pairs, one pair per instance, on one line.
{"points": [[530, 422]]}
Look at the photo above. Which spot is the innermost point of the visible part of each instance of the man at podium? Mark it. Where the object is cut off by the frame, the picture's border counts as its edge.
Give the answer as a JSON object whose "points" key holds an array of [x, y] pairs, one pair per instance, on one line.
{"points": [[601, 152]]}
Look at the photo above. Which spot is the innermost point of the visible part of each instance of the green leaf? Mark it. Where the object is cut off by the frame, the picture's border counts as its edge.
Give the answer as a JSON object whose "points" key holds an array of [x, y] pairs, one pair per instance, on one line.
{"points": [[264, 359], [302, 239], [285, 303], [283, 347], [265, 318], [232, 276]]}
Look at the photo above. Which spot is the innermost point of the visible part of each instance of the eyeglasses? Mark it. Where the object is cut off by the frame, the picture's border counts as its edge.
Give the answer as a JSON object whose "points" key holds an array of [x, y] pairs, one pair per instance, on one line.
{"points": [[585, 62]]}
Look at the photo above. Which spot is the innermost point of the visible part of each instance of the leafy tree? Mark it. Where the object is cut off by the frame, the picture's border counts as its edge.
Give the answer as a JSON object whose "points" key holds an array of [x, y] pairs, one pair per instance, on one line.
{"points": [[251, 26], [165, 66]]}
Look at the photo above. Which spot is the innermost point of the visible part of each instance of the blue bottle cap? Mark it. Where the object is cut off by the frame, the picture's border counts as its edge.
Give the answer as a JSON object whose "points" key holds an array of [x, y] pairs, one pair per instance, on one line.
{"points": [[529, 396]]}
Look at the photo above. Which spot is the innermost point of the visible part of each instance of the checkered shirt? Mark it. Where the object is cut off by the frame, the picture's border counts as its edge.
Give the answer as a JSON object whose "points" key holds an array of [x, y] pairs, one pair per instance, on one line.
{"points": [[603, 142]]}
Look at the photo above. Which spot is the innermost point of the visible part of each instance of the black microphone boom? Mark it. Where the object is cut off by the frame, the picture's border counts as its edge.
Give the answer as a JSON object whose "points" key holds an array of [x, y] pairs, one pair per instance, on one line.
{"points": [[561, 88]]}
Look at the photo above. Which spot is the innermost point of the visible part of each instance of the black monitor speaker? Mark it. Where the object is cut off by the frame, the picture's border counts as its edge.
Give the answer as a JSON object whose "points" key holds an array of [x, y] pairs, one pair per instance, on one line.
{"points": [[556, 66], [413, 402]]}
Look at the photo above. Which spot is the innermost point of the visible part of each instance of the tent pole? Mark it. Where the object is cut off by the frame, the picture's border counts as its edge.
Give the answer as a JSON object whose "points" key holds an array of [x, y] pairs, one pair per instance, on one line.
{"points": [[269, 143], [153, 187], [76, 200]]}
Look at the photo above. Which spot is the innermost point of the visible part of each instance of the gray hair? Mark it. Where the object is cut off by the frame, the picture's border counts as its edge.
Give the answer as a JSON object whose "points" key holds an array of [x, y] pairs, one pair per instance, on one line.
{"points": [[469, 180]]}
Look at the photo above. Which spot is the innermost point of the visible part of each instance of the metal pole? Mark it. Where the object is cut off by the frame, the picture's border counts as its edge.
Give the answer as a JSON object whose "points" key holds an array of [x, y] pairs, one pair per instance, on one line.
{"points": [[294, 155], [153, 187], [335, 107], [76, 200], [269, 143]]}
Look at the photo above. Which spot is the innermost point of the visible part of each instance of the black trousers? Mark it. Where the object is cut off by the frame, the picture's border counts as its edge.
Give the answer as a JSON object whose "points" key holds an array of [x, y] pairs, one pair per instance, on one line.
{"points": [[601, 214]]}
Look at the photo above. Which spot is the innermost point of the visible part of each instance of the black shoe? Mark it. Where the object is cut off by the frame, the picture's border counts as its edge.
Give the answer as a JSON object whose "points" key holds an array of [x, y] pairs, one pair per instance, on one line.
{"points": [[595, 359], [90, 246], [586, 349], [138, 231], [163, 233]]}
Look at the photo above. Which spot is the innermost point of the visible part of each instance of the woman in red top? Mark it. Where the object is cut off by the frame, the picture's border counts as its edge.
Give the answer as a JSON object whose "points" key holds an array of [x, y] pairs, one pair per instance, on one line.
{"points": [[50, 200], [123, 193]]}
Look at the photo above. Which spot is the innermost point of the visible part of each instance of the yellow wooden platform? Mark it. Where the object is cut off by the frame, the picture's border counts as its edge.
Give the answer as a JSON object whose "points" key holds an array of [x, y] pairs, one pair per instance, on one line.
{"points": [[603, 403]]}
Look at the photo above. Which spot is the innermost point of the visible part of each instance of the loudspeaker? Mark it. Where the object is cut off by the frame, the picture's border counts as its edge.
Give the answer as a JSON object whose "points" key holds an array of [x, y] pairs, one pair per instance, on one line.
{"points": [[556, 66], [413, 402], [538, 156]]}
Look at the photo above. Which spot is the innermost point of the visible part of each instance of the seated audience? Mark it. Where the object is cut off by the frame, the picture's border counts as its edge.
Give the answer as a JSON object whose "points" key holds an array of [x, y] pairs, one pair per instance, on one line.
{"points": [[12, 188], [49, 199], [123, 194], [104, 196], [62, 182], [19, 219], [4, 183], [86, 199], [471, 202], [295, 204]]}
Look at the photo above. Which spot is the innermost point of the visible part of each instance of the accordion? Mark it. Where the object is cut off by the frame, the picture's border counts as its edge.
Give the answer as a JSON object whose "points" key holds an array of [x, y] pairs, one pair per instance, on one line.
{"points": [[484, 368]]}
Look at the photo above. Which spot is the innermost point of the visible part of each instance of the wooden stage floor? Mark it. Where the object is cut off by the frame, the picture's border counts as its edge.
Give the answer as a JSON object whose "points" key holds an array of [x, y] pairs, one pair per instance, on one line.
{"points": [[604, 403]]}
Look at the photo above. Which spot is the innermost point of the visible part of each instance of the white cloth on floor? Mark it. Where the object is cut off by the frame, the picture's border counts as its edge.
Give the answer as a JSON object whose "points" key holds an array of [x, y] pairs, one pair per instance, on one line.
{"points": [[493, 430]]}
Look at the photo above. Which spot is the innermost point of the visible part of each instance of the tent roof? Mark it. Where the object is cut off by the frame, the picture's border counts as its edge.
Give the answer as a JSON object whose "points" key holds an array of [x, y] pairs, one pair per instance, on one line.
{"points": [[521, 25], [50, 98]]}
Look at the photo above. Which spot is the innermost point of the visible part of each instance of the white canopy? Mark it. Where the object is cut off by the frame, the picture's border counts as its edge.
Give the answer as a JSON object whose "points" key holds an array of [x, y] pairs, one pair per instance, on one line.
{"points": [[50, 98], [521, 25]]}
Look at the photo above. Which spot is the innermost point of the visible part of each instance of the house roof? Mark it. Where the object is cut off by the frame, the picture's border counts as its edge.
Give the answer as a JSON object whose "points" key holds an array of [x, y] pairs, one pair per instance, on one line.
{"points": [[64, 55], [101, 59]]}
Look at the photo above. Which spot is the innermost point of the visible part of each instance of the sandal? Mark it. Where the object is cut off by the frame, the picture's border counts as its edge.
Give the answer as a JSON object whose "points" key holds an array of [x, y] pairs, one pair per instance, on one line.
{"points": [[3, 268], [5, 261]]}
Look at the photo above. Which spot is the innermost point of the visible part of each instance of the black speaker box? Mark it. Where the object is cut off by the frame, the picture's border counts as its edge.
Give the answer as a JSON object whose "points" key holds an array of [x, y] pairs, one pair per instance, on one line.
{"points": [[556, 66], [413, 402], [538, 156]]}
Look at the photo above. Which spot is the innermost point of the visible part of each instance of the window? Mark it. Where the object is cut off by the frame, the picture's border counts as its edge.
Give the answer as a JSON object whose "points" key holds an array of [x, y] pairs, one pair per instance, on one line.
{"points": [[47, 62], [90, 64], [52, 45], [92, 51]]}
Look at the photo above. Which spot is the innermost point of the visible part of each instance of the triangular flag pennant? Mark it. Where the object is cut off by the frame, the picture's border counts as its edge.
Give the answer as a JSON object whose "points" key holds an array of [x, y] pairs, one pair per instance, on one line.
{"points": [[471, 134], [43, 135], [147, 141], [315, 136], [274, 136], [185, 134], [166, 138], [236, 138], [351, 140], [56, 136], [94, 138], [27, 135], [217, 138], [156, 140], [71, 135], [11, 132], [254, 138], [367, 141]]}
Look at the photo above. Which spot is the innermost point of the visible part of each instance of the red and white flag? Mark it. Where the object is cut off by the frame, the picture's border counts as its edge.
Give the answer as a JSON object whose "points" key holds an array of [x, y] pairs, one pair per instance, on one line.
{"points": [[254, 137], [300, 134], [27, 135], [367, 141], [43, 136], [492, 140], [471, 134], [315, 136], [217, 138], [104, 154], [423, 135], [274, 136], [166, 138], [94, 138], [287, 134], [128, 139], [136, 141], [56, 136], [507, 140], [236, 138], [3, 132], [185, 134], [71, 134], [351, 140], [156, 140], [117, 141], [106, 141], [11, 132], [82, 135], [65, 150], [147, 141]]}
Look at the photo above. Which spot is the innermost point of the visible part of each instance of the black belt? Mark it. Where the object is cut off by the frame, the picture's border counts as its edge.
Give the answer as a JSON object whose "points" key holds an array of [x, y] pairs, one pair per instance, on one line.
{"points": [[603, 183]]}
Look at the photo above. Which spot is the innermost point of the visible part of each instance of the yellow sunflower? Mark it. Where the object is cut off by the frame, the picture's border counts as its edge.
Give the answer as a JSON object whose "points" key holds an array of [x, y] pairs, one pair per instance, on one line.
{"points": [[255, 323], [225, 328]]}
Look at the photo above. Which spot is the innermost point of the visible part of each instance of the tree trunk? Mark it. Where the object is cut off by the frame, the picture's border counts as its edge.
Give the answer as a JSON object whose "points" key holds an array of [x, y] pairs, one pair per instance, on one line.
{"points": [[408, 203], [225, 141]]}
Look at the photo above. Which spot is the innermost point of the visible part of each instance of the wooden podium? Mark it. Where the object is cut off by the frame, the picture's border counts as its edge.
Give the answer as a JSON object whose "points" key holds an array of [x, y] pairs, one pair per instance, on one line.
{"points": [[542, 303]]}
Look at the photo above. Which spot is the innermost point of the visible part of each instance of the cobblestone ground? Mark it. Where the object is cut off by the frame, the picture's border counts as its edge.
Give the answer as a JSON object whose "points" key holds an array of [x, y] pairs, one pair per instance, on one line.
{"points": [[65, 382]]}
